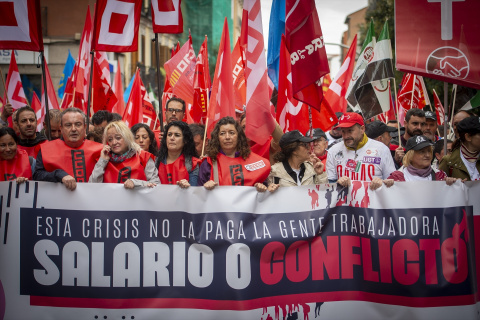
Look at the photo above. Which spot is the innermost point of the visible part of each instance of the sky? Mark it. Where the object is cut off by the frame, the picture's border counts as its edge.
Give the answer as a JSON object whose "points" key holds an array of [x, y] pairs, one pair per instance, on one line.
{"points": [[332, 14]]}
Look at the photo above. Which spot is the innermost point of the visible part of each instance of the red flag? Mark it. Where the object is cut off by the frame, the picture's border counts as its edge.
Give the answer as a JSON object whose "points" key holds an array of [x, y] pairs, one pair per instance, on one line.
{"points": [[291, 113], [118, 88], [102, 60], [70, 90], [326, 83], [15, 92], [390, 114], [103, 97], [201, 85], [337, 90], [51, 96], [180, 71], [222, 100], [439, 110], [411, 94], [21, 25], [259, 120], [238, 72], [133, 113], [167, 16], [116, 25], [39, 111], [149, 113], [305, 42]]}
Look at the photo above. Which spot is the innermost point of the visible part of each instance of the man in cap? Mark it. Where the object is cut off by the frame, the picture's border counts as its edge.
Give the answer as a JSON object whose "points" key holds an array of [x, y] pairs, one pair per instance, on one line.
{"points": [[431, 126], [377, 130], [358, 157], [320, 144]]}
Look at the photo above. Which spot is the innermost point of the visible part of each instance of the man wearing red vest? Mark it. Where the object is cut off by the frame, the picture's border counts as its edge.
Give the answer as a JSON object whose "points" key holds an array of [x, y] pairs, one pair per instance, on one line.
{"points": [[72, 159], [30, 139]]}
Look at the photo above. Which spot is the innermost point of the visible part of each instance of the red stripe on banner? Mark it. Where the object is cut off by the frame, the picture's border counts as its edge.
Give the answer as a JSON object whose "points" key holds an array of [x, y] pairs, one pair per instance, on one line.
{"points": [[169, 303]]}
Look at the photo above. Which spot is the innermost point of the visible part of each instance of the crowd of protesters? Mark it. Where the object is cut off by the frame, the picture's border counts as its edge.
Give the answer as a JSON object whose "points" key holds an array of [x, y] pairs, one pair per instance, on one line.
{"points": [[354, 149]]}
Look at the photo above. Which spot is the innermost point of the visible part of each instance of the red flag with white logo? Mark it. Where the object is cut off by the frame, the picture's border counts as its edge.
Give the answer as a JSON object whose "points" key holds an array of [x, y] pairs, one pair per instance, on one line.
{"points": [[39, 111], [201, 85], [238, 73], [180, 71], [411, 94], [291, 113], [148, 110], [116, 25], [222, 100], [103, 97], [439, 110], [133, 113], [102, 60], [118, 89], [15, 92], [335, 96], [51, 95], [21, 25], [167, 16], [308, 56], [259, 120]]}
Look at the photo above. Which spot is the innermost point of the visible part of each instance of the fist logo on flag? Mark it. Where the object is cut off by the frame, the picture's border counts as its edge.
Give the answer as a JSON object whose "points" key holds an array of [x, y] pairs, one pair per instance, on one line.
{"points": [[116, 25]]}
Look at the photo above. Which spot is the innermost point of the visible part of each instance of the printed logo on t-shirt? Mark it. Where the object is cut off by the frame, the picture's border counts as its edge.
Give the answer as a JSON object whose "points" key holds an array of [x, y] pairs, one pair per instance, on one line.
{"points": [[375, 160], [372, 152], [255, 166], [339, 156]]}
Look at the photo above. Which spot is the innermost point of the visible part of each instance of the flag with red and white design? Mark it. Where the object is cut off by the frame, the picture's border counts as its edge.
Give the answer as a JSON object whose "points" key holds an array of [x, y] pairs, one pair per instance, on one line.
{"points": [[439, 110], [102, 61], [180, 71], [116, 25], [133, 113], [201, 85], [39, 111], [103, 97], [167, 16], [390, 114], [335, 96], [51, 95], [20, 25], [238, 74], [222, 100], [118, 89], [291, 113], [148, 110], [15, 93], [259, 120], [308, 56], [411, 94]]}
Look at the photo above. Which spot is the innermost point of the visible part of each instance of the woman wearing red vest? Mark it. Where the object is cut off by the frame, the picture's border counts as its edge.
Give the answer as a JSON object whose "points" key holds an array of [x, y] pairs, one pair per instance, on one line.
{"points": [[123, 161], [230, 161], [15, 164], [176, 161]]}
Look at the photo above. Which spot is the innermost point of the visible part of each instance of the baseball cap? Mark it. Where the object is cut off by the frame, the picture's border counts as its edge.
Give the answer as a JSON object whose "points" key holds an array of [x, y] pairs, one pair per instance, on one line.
{"points": [[293, 136], [317, 134], [469, 125], [430, 115], [349, 119], [376, 128], [418, 142]]}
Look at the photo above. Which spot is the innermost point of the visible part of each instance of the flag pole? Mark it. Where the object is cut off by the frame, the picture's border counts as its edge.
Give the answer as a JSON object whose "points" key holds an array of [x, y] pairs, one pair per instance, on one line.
{"points": [[72, 103], [453, 108], [157, 55], [445, 103], [4, 86], [92, 53], [45, 92], [396, 110]]}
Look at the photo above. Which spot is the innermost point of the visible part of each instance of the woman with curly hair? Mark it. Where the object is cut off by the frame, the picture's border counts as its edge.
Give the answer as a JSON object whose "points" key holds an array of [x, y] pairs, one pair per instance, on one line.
{"points": [[123, 161], [230, 161], [145, 138], [176, 161]]}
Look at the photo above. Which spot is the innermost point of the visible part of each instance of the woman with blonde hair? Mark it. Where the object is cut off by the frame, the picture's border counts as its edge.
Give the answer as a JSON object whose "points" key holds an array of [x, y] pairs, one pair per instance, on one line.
{"points": [[123, 161]]}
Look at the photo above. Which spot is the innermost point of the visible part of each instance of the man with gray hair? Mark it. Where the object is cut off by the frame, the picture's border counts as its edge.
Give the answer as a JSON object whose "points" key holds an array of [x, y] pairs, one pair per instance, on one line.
{"points": [[72, 159]]}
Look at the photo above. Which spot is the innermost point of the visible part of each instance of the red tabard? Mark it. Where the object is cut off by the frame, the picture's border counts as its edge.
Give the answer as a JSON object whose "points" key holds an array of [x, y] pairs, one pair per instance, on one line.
{"points": [[77, 162], [239, 172], [176, 171], [132, 168], [19, 166], [32, 151]]}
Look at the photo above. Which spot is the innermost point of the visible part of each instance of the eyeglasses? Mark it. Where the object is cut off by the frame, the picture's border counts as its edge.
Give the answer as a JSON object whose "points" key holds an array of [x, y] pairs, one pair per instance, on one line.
{"points": [[174, 110]]}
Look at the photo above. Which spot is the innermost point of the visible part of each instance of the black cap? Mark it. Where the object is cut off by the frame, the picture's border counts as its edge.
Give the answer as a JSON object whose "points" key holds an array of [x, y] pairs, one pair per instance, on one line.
{"points": [[469, 125], [394, 134], [430, 115], [293, 136], [376, 128], [418, 143], [317, 134]]}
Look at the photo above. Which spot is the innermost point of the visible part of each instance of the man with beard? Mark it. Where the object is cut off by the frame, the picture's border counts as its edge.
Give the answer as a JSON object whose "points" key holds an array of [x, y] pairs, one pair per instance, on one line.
{"points": [[358, 157], [430, 130], [174, 110], [30, 139], [72, 159], [414, 125]]}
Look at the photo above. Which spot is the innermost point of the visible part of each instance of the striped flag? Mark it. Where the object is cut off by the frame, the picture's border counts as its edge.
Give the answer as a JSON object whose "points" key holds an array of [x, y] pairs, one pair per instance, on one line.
{"points": [[439, 110]]}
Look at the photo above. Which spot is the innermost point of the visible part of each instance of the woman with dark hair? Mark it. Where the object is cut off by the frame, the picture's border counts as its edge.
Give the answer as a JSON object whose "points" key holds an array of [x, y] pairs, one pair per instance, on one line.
{"points": [[176, 161], [230, 161], [145, 138], [15, 164], [293, 167], [464, 161]]}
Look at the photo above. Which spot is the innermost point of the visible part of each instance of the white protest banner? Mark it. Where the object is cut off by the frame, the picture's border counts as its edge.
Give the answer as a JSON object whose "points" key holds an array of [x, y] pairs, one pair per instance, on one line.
{"points": [[104, 252]]}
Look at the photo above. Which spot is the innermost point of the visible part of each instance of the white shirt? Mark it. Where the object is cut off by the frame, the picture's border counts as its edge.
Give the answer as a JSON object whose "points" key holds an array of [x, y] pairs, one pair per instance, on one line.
{"points": [[332, 140], [471, 168], [372, 160]]}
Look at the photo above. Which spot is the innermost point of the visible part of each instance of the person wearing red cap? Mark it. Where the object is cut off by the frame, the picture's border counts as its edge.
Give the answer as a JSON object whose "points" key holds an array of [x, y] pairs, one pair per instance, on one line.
{"points": [[358, 157]]}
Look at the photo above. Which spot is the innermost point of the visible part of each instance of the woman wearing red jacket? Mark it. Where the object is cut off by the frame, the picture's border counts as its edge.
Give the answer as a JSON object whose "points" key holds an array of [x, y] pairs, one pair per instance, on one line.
{"points": [[15, 164]]}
